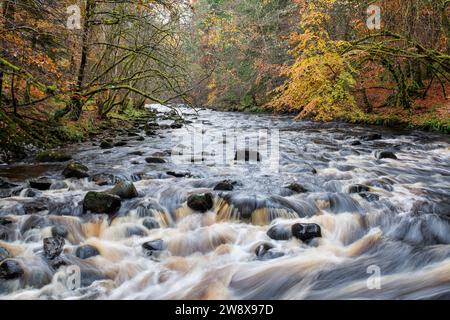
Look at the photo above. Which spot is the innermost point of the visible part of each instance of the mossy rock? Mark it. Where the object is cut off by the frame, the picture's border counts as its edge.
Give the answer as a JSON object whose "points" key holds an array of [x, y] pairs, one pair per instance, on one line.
{"points": [[101, 202], [53, 156], [76, 170], [201, 202], [124, 190]]}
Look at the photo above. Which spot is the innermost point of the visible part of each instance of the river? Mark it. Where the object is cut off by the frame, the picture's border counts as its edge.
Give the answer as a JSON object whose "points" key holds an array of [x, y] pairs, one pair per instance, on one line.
{"points": [[385, 223]]}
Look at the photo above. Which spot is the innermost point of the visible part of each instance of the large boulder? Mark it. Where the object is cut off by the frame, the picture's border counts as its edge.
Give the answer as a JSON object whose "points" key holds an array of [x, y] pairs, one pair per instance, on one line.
{"points": [[86, 252], [201, 202], [76, 170], [101, 202], [306, 231], [124, 190], [53, 156], [53, 247], [385, 154], [279, 232], [41, 183], [10, 269]]}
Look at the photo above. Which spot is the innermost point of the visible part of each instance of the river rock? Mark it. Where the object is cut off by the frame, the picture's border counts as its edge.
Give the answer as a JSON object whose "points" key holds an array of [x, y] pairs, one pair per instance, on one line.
{"points": [[135, 231], [247, 155], [179, 174], [41, 183], [6, 185], [297, 188], [355, 143], [53, 247], [59, 231], [86, 252], [225, 185], [151, 223], [279, 232], [120, 144], [103, 179], [4, 254], [10, 269], [101, 202], [151, 247], [372, 137], [358, 188], [385, 154], [155, 160], [201, 202], [58, 185], [306, 231], [136, 153], [125, 190], [34, 221], [76, 170], [6, 221], [53, 156], [106, 144], [370, 197], [265, 252]]}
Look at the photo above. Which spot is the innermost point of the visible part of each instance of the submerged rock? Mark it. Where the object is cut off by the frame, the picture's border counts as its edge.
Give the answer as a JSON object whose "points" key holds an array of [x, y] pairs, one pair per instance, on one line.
{"points": [[135, 231], [225, 185], [53, 247], [201, 202], [155, 160], [297, 188], [59, 231], [6, 185], [385, 154], [279, 232], [34, 222], [151, 247], [265, 252], [370, 197], [42, 184], [372, 137], [105, 144], [4, 254], [101, 202], [179, 174], [10, 269], [358, 188], [53, 156], [306, 231], [76, 170], [151, 223], [86, 252], [120, 144], [124, 190]]}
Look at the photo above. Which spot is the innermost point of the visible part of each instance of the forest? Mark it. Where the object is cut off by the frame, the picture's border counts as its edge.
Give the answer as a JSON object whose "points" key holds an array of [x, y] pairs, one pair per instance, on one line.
{"points": [[66, 67]]}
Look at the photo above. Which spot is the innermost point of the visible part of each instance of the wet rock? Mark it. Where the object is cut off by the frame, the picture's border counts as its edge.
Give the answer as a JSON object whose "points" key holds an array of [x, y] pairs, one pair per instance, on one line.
{"points": [[151, 247], [247, 155], [6, 185], [155, 160], [358, 188], [58, 185], [136, 153], [124, 190], [86, 252], [53, 156], [6, 221], [41, 183], [179, 174], [151, 223], [265, 252], [53, 247], [59, 231], [370, 197], [101, 202], [306, 231], [106, 144], [120, 144], [297, 188], [279, 232], [201, 202], [135, 231], [36, 205], [76, 170], [355, 143], [29, 193], [372, 137], [4, 254], [385, 154], [150, 133], [133, 134], [103, 179], [10, 270], [140, 138], [34, 222], [225, 185]]}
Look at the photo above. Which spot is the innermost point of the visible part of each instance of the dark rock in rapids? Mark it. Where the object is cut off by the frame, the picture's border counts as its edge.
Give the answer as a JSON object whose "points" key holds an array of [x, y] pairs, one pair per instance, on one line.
{"points": [[151, 247], [151, 223], [297, 188], [76, 170], [358, 188], [247, 155], [150, 133], [120, 144], [265, 252], [34, 222], [356, 143], [225, 185], [106, 144], [103, 179], [140, 138], [101, 202], [370, 197], [6, 185], [135, 231], [58, 185], [59, 231], [155, 160], [4, 254], [86, 252], [53, 247], [124, 190], [30, 193], [179, 174], [385, 154], [10, 270], [53, 156], [5, 221], [279, 232], [41, 183], [133, 134], [136, 153], [201, 202], [372, 137], [306, 231]]}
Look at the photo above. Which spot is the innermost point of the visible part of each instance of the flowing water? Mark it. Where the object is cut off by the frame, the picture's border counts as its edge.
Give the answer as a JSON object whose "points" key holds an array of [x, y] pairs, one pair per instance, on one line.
{"points": [[390, 243]]}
